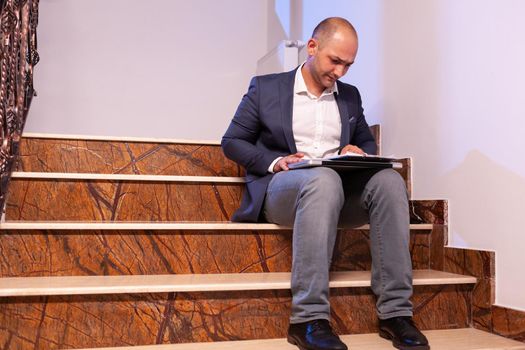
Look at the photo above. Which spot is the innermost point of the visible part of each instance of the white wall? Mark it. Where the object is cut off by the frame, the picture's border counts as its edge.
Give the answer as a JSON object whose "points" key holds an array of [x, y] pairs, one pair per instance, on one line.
{"points": [[444, 78], [156, 68], [454, 99]]}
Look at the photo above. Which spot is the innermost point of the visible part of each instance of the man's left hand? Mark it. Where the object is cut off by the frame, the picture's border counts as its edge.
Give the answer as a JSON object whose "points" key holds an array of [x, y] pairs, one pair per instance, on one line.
{"points": [[353, 149]]}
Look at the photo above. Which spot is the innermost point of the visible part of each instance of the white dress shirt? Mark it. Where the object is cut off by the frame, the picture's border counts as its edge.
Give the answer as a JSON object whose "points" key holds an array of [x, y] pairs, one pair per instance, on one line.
{"points": [[316, 121]]}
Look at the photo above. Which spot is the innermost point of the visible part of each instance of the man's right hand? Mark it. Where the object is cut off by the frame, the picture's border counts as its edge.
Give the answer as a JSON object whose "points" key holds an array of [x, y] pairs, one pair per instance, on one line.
{"points": [[282, 164]]}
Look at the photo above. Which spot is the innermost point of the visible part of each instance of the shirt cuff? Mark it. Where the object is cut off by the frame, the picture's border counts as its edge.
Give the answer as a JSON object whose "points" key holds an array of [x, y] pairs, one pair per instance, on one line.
{"points": [[270, 168]]}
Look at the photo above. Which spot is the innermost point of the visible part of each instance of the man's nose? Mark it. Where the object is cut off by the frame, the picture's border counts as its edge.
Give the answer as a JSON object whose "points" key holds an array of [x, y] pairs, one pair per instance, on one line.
{"points": [[339, 71]]}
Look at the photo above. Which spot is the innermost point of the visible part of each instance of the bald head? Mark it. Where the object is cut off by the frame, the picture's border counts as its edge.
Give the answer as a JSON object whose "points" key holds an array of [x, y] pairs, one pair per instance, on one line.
{"points": [[329, 27], [331, 51]]}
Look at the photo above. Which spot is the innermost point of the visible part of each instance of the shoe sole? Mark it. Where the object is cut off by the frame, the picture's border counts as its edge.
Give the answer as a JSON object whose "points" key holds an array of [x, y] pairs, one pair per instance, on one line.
{"points": [[294, 342], [400, 346]]}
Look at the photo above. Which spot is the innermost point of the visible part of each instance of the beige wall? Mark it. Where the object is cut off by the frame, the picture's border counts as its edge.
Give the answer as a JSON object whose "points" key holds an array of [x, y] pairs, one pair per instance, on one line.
{"points": [[157, 68], [454, 100], [444, 78]]}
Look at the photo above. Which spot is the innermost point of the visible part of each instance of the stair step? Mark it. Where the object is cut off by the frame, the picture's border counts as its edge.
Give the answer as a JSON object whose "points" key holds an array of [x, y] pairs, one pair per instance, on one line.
{"points": [[74, 153], [158, 226], [88, 285], [36, 196], [457, 339], [122, 197], [181, 248], [126, 177], [34, 135], [91, 321]]}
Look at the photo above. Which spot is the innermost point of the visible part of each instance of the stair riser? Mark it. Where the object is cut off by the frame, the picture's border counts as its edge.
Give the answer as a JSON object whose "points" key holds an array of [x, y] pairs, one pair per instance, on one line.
{"points": [[482, 265], [121, 201], [67, 253], [142, 319], [49, 200], [81, 156]]}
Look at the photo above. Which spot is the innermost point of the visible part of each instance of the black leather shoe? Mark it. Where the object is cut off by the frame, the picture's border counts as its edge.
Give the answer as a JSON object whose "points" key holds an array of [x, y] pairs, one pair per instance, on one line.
{"points": [[314, 335], [403, 333]]}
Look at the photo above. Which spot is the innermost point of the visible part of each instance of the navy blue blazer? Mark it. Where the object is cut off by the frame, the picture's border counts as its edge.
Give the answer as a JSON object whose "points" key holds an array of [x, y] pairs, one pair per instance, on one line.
{"points": [[261, 130]]}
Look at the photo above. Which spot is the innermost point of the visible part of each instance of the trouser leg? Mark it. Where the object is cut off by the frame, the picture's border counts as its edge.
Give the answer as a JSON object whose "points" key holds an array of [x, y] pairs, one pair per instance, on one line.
{"points": [[310, 200], [382, 196]]}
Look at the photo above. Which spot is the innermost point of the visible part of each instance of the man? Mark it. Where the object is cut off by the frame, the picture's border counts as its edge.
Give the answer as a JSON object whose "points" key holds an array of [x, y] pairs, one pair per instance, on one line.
{"points": [[309, 113]]}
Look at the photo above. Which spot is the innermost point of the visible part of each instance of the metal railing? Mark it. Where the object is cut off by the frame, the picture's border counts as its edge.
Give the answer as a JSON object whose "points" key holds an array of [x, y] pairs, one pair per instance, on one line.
{"points": [[18, 56]]}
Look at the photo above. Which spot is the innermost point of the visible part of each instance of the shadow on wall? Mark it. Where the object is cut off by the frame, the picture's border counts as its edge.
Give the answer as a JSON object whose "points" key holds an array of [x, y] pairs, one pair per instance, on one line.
{"points": [[285, 19], [276, 21], [479, 188], [461, 119], [411, 81]]}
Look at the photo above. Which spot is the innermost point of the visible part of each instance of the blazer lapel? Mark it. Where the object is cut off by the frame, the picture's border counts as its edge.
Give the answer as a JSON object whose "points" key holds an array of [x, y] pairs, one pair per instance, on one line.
{"points": [[343, 114], [286, 99]]}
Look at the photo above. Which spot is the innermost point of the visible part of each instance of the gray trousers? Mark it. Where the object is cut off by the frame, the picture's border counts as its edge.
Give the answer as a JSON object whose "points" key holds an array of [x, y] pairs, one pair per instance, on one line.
{"points": [[314, 201]]}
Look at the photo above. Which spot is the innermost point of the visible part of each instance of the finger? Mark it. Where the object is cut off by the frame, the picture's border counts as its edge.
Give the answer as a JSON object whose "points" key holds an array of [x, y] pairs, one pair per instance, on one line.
{"points": [[289, 159], [353, 149], [283, 162]]}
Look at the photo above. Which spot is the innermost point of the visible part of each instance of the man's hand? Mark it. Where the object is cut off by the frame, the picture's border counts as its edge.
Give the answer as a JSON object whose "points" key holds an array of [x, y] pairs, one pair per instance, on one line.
{"points": [[282, 164], [353, 149]]}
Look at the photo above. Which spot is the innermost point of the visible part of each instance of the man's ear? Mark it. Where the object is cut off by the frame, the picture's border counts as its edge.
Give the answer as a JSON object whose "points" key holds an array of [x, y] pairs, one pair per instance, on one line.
{"points": [[312, 47]]}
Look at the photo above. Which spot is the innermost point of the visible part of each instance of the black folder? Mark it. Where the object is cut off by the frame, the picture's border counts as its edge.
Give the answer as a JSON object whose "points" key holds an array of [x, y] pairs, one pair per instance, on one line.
{"points": [[349, 162]]}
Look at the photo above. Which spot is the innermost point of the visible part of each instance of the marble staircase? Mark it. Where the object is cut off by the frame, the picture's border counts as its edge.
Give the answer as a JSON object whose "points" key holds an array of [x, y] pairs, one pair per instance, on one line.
{"points": [[457, 339], [127, 243]]}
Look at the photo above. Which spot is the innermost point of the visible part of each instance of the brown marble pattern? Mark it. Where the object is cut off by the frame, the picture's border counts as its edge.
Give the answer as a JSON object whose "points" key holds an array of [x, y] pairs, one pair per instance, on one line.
{"points": [[68, 200], [68, 253], [352, 250], [406, 173], [141, 319], [509, 323], [376, 132], [434, 211], [49, 200], [438, 241], [480, 264], [89, 321], [117, 157]]}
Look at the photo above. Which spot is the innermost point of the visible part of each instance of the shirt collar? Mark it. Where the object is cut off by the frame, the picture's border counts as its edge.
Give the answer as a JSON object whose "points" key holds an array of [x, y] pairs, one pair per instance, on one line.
{"points": [[300, 85]]}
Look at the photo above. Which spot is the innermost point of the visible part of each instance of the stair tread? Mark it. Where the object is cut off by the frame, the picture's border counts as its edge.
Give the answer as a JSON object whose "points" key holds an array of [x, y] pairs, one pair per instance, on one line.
{"points": [[82, 285], [125, 177], [457, 339], [34, 135], [161, 225]]}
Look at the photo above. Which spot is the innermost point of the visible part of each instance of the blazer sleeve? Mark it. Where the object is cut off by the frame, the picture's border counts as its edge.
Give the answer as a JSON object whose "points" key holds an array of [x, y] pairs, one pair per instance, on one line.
{"points": [[239, 143]]}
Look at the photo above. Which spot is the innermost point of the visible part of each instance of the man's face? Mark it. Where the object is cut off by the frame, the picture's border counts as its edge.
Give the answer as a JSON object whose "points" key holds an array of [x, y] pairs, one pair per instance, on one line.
{"points": [[330, 60]]}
